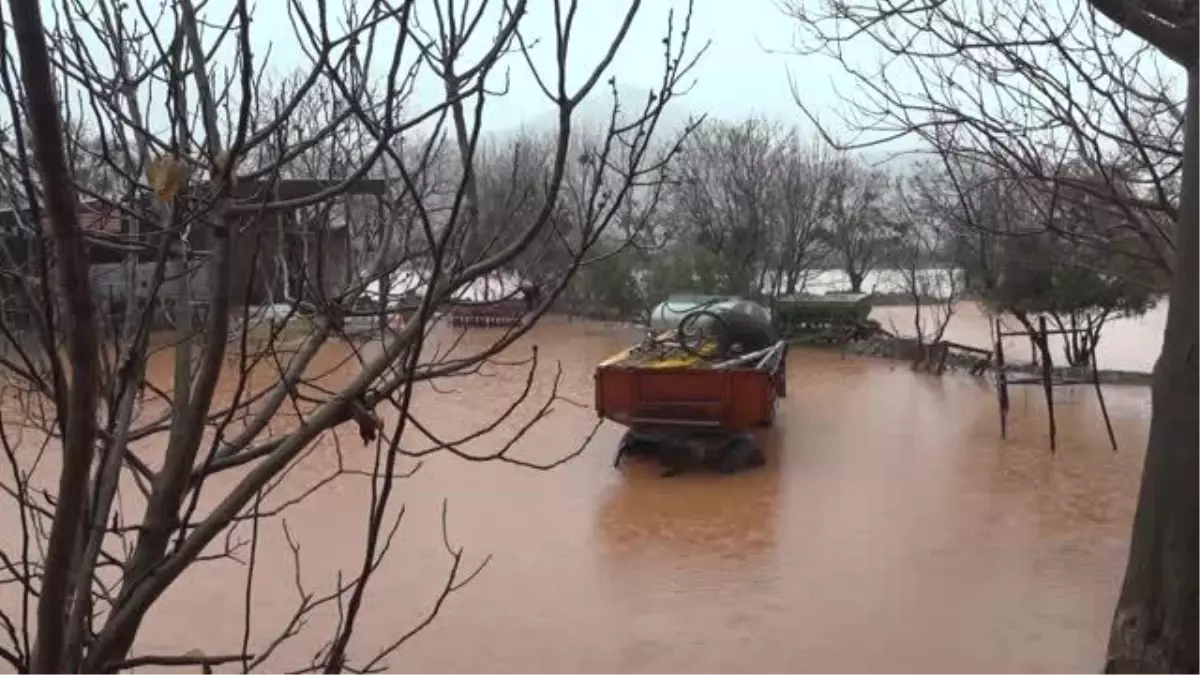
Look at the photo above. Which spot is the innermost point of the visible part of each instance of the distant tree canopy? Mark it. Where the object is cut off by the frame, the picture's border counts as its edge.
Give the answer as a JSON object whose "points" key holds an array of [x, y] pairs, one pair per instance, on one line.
{"points": [[752, 210], [609, 286], [1029, 249], [1044, 273]]}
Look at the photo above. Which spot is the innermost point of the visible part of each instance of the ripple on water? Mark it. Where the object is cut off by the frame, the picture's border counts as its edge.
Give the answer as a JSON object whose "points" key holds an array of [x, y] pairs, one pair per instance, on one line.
{"points": [[892, 530]]}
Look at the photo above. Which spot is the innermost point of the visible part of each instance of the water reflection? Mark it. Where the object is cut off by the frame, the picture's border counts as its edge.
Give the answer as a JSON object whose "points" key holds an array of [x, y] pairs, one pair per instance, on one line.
{"points": [[891, 530], [694, 519]]}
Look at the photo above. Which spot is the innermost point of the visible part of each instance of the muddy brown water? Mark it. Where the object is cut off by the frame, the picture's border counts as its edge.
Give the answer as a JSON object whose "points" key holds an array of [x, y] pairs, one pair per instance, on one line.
{"points": [[892, 530], [1126, 343]]}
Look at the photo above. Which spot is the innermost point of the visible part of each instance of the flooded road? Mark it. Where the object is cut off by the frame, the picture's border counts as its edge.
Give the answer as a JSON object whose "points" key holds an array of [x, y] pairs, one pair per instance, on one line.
{"points": [[892, 530]]}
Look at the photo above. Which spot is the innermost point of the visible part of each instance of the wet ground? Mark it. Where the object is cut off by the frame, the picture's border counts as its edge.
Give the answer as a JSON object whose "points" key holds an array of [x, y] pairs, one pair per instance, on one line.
{"points": [[892, 530]]}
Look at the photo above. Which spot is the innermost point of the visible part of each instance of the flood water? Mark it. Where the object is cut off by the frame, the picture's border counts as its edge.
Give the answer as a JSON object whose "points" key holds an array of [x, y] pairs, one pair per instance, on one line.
{"points": [[1126, 343], [892, 530]]}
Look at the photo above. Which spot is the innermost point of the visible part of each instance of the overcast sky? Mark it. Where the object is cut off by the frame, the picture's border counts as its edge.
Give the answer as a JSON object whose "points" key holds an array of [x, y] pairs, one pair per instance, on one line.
{"points": [[744, 72], [736, 77]]}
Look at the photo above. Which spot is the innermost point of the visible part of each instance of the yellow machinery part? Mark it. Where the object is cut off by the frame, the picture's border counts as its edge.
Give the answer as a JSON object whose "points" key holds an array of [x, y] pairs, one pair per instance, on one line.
{"points": [[673, 361]]}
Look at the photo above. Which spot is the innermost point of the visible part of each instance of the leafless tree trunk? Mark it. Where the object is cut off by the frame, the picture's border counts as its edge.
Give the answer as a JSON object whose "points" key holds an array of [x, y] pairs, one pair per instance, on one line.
{"points": [[1155, 625], [77, 397]]}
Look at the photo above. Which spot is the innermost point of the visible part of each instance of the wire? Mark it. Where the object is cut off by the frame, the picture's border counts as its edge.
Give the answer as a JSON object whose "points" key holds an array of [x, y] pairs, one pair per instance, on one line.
{"points": [[724, 331]]}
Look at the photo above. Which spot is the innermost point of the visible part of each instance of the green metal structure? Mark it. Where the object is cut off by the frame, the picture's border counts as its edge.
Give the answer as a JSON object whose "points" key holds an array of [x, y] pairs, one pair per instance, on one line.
{"points": [[829, 318]]}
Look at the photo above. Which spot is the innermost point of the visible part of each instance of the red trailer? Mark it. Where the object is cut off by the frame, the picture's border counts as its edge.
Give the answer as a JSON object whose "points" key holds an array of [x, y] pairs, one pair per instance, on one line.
{"points": [[732, 399], [507, 311], [690, 404], [500, 313]]}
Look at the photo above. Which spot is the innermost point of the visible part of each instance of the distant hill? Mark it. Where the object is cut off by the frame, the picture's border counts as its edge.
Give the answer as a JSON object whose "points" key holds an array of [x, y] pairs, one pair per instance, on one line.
{"points": [[594, 112]]}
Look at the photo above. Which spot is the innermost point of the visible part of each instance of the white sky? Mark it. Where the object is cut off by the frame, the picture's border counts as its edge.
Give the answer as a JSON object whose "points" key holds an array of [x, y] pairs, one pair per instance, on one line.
{"points": [[736, 77], [744, 72]]}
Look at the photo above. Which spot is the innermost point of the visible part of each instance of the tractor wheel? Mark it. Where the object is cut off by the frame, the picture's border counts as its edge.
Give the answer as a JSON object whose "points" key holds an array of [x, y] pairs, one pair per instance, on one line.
{"points": [[741, 454]]}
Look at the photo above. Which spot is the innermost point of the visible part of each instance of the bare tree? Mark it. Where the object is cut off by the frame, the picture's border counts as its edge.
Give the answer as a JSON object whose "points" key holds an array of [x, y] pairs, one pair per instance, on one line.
{"points": [[228, 193], [803, 192], [1030, 87], [1017, 243], [1077, 289], [924, 235], [756, 198], [511, 179], [856, 232], [724, 196], [1027, 91]]}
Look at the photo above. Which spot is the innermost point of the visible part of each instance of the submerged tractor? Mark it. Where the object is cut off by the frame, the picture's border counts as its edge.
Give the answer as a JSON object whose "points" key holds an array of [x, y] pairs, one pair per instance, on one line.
{"points": [[710, 371]]}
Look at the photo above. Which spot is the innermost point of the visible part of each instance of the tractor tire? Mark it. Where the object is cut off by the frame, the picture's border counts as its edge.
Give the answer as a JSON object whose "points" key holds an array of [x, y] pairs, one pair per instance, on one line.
{"points": [[741, 454]]}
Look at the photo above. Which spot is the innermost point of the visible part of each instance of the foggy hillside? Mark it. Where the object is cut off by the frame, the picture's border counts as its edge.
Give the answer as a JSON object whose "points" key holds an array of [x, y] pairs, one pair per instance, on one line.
{"points": [[594, 113]]}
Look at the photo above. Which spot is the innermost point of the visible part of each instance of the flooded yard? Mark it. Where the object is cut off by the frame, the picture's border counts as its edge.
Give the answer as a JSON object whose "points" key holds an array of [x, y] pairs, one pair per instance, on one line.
{"points": [[1126, 343], [891, 530]]}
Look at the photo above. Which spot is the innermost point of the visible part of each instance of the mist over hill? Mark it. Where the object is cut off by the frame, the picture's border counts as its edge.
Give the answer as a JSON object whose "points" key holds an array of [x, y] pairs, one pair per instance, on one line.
{"points": [[595, 111], [593, 116]]}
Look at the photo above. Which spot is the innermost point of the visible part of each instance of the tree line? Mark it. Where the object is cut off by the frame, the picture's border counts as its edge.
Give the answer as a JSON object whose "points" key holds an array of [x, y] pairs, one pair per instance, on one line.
{"points": [[754, 208]]}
